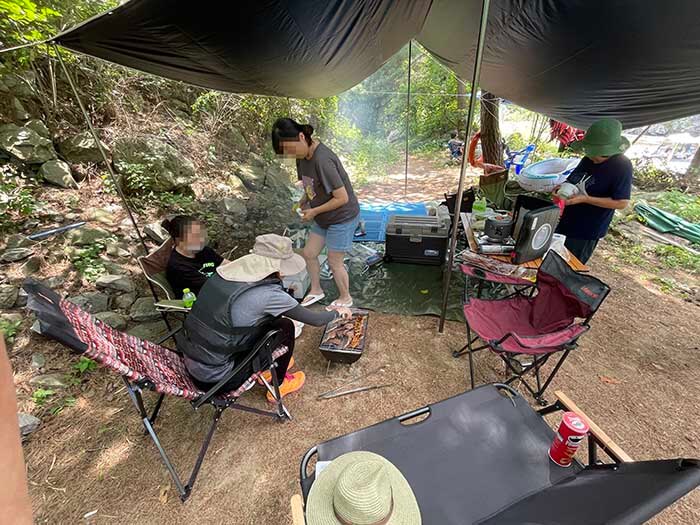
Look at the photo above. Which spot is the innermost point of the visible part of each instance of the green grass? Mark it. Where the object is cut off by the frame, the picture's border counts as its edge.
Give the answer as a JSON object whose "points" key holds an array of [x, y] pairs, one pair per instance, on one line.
{"points": [[682, 204], [677, 258], [10, 329]]}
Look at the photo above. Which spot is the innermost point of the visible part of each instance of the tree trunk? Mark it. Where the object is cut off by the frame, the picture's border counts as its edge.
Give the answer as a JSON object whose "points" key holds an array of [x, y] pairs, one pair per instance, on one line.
{"points": [[491, 147], [461, 107], [694, 168]]}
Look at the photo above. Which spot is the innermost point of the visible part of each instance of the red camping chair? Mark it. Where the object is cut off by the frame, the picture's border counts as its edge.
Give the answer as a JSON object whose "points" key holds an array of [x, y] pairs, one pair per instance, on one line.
{"points": [[534, 324], [147, 366]]}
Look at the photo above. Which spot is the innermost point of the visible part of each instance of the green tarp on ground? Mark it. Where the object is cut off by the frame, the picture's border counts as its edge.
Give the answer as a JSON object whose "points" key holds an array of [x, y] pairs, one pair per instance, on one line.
{"points": [[405, 289], [666, 222]]}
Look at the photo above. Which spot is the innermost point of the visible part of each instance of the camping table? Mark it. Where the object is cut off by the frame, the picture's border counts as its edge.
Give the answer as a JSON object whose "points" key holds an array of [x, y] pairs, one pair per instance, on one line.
{"points": [[572, 260]]}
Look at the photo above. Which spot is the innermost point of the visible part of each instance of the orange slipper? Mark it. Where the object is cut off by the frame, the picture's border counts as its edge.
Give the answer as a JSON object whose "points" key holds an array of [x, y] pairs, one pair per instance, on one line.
{"points": [[268, 375], [292, 383]]}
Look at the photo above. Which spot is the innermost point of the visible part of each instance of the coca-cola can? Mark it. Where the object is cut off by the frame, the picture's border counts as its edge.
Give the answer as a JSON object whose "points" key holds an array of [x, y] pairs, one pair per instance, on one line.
{"points": [[571, 432]]}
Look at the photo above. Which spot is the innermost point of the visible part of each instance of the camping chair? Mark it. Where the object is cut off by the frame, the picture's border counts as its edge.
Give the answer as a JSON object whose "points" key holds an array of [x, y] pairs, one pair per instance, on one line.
{"points": [[153, 266], [147, 366], [481, 457], [539, 325]]}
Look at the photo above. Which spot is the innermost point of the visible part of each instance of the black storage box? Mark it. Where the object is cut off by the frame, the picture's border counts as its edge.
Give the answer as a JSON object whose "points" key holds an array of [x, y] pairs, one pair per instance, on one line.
{"points": [[343, 340], [417, 240]]}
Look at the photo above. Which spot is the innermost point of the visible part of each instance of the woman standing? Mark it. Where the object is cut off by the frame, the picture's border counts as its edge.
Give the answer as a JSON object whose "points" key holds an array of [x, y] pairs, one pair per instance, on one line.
{"points": [[329, 201]]}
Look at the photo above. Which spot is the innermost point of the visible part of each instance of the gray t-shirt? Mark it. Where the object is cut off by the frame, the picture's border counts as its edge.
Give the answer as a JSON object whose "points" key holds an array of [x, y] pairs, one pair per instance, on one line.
{"points": [[322, 174], [268, 300]]}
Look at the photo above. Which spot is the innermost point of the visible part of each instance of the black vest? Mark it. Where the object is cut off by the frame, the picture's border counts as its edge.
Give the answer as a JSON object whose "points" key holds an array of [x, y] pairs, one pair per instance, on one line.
{"points": [[208, 335]]}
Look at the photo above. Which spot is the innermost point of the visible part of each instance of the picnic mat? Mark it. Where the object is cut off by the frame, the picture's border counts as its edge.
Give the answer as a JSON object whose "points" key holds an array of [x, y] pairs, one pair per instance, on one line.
{"points": [[667, 222], [406, 289], [376, 216]]}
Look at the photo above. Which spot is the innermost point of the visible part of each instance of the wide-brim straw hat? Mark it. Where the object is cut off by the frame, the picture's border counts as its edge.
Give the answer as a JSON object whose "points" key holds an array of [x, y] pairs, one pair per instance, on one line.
{"points": [[603, 139], [361, 488], [271, 254]]}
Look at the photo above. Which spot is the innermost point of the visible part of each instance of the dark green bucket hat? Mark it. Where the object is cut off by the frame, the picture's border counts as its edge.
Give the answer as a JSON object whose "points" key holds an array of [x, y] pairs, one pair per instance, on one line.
{"points": [[603, 139]]}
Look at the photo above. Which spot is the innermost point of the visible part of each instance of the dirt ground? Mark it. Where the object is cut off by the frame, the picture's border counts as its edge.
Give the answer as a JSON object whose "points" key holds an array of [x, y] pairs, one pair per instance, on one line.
{"points": [[636, 374]]}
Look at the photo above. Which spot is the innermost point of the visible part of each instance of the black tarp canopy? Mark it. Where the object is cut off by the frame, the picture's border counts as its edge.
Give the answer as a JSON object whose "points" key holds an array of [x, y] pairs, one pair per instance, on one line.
{"points": [[574, 60]]}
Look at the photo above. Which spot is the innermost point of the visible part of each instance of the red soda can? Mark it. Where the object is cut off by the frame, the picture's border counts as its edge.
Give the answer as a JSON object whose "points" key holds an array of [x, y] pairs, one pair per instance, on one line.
{"points": [[572, 430]]}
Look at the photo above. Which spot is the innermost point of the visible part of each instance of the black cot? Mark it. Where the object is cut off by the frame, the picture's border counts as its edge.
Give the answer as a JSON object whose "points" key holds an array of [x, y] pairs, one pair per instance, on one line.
{"points": [[481, 457]]}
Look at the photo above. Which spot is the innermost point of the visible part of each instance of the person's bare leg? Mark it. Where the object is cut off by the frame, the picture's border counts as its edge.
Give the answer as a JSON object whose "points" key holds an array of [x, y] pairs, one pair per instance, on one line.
{"points": [[340, 275], [314, 245]]}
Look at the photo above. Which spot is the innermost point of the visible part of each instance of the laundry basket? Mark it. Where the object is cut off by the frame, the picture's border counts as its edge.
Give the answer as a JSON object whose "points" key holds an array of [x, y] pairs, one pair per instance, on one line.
{"points": [[545, 175]]}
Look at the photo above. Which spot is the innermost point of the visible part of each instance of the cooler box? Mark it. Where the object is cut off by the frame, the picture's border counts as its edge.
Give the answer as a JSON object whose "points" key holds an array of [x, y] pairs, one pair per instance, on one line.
{"points": [[298, 284], [417, 240]]}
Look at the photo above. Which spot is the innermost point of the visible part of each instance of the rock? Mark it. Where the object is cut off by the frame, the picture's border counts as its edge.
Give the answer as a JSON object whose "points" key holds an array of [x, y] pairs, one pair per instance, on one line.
{"points": [[238, 141], [50, 381], [152, 331], [124, 301], [237, 187], [113, 319], [234, 207], [120, 283], [113, 268], [22, 297], [253, 176], [26, 145], [8, 295], [36, 327], [149, 164], [55, 282], [58, 172], [82, 148], [27, 423], [20, 112], [12, 317], [102, 215], [118, 249], [18, 85], [156, 232], [85, 236], [32, 266], [38, 361], [16, 254], [91, 302], [38, 126], [19, 241], [144, 310]]}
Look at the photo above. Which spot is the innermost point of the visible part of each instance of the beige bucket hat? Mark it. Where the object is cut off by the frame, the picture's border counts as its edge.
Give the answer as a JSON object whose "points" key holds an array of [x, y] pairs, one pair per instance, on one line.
{"points": [[361, 488], [271, 253]]}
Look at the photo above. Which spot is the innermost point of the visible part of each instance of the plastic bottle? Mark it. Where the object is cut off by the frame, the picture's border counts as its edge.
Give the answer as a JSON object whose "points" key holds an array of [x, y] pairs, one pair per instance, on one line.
{"points": [[188, 298]]}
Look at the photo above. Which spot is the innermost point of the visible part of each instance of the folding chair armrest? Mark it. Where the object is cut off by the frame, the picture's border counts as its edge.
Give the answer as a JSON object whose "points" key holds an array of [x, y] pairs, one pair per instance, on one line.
{"points": [[263, 344], [528, 344], [485, 275], [172, 305], [612, 448], [297, 510]]}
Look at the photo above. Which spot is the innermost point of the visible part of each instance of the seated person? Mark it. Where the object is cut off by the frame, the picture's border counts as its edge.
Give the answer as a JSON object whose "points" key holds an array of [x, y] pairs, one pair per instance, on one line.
{"points": [[242, 301], [192, 262], [455, 146]]}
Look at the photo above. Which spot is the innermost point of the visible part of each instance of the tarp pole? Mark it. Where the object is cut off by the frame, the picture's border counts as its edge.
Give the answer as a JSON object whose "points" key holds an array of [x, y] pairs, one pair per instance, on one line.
{"points": [[408, 118], [640, 135], [462, 169], [102, 151]]}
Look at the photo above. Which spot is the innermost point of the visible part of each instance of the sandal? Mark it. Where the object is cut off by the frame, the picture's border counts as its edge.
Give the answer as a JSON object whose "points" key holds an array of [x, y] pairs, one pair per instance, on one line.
{"points": [[337, 304], [312, 298]]}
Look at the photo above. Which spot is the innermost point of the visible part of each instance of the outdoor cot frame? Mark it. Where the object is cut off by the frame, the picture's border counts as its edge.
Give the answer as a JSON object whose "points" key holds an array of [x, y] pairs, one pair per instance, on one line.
{"points": [[135, 389], [596, 440]]}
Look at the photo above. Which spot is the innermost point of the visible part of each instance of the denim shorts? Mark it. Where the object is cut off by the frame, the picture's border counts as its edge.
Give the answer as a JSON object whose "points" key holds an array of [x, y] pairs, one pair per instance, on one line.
{"points": [[338, 237]]}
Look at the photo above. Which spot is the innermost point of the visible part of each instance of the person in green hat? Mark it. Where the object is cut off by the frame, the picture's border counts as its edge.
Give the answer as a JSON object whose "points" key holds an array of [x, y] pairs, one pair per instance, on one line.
{"points": [[604, 181]]}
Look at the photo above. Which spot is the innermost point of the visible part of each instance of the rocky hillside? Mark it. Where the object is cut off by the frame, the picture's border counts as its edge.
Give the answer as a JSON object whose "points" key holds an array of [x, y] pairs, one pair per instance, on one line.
{"points": [[173, 150]]}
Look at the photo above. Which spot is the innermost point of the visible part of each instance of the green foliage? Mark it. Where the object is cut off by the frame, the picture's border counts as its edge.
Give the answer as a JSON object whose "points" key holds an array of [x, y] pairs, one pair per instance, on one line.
{"points": [[87, 260], [84, 365], [24, 21], [676, 257], [648, 177], [65, 402], [682, 204], [16, 198], [41, 395], [9, 329], [516, 141]]}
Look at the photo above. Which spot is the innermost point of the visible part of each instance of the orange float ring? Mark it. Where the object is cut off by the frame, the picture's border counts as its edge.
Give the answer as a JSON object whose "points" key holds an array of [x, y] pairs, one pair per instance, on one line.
{"points": [[475, 161]]}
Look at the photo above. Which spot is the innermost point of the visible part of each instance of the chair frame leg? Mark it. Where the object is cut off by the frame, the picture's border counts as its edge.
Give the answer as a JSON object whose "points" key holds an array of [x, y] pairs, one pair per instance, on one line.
{"points": [[535, 367]]}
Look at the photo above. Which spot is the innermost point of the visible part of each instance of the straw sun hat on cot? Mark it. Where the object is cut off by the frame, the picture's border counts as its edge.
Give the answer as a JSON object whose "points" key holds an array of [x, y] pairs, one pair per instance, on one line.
{"points": [[271, 253], [361, 488]]}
